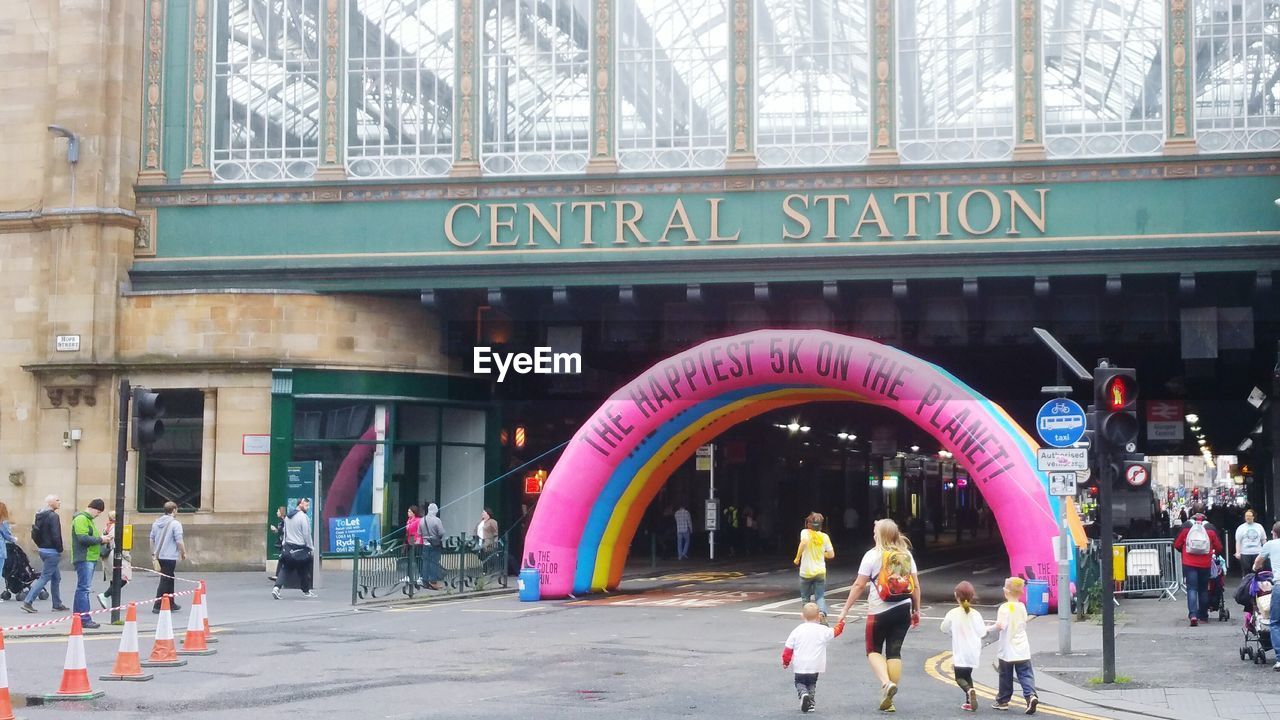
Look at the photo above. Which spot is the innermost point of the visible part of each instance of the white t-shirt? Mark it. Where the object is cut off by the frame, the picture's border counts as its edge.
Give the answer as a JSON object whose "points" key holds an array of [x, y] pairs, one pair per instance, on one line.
{"points": [[1014, 645], [1270, 550], [813, 559], [1249, 538], [870, 567], [809, 644], [966, 630]]}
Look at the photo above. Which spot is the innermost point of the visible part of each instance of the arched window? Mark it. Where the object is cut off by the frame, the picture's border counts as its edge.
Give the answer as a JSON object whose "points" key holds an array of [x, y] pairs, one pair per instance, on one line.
{"points": [[1237, 74], [400, 70], [1103, 77], [955, 80], [536, 103], [266, 94], [672, 84], [811, 69]]}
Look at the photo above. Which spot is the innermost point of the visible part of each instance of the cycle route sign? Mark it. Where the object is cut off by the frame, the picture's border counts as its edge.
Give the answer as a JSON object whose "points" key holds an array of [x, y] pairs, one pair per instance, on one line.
{"points": [[1060, 422]]}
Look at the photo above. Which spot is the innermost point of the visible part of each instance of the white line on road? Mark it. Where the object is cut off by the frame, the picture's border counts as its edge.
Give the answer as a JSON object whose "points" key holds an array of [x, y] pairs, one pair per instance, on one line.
{"points": [[772, 608], [521, 610]]}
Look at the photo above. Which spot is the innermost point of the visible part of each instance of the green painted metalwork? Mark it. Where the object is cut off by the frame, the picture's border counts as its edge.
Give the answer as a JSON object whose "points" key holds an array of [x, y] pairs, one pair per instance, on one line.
{"points": [[177, 73], [435, 234]]}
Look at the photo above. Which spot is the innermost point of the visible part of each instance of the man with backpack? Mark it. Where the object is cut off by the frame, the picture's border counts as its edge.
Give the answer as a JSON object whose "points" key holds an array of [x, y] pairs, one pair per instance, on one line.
{"points": [[1198, 542], [46, 533]]}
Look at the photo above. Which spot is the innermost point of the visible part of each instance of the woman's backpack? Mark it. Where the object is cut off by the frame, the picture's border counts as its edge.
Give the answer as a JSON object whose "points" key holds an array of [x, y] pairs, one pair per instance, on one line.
{"points": [[894, 581], [1198, 540]]}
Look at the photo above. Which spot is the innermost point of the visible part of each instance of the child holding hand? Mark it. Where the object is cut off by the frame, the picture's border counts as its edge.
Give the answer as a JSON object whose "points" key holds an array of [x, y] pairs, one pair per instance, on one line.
{"points": [[965, 626], [806, 652], [1015, 648]]}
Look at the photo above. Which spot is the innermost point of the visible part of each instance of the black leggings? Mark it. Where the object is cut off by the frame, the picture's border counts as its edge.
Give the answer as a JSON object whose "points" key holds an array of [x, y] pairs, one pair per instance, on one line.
{"points": [[886, 630], [964, 678]]}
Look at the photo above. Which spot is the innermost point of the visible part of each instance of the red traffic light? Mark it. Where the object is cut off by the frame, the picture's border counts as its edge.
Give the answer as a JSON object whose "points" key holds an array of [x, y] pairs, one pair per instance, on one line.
{"points": [[1118, 390]]}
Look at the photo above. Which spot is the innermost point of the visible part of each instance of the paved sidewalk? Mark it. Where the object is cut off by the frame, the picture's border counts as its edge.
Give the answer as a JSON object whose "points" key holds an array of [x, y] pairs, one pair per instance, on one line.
{"points": [[1175, 671]]}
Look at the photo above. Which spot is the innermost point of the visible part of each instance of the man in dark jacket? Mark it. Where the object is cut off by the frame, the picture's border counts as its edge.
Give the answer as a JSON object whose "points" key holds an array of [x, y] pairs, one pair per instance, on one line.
{"points": [[46, 531], [1197, 555]]}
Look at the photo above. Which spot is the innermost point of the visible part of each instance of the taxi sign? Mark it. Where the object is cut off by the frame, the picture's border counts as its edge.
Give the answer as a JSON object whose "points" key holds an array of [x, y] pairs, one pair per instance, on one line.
{"points": [[1060, 422]]}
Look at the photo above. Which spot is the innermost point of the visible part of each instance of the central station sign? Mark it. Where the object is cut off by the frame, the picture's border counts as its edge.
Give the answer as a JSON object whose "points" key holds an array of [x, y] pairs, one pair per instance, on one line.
{"points": [[870, 215]]}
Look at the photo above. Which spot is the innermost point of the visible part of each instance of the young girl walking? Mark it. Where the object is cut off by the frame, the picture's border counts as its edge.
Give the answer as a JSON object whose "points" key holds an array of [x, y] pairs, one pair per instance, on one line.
{"points": [[965, 626]]}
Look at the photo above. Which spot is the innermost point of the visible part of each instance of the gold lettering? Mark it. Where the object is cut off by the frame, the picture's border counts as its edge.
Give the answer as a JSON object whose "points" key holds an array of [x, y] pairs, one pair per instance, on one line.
{"points": [[553, 232], [944, 219], [715, 223], [682, 224], [964, 211], [911, 209], [831, 201], [588, 207], [797, 216], [1018, 203], [449, 229], [872, 207], [623, 223], [496, 222]]}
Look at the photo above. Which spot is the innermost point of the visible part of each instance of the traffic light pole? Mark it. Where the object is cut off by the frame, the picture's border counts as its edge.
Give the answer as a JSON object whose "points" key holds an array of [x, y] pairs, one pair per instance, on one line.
{"points": [[1105, 536], [122, 456]]}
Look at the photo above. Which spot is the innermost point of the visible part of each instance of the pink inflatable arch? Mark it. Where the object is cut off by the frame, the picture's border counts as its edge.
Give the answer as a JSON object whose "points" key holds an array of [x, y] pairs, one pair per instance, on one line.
{"points": [[597, 493]]}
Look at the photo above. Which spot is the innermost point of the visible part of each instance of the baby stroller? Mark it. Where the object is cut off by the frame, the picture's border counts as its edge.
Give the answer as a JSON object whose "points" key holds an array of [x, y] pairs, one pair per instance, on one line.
{"points": [[18, 574], [1254, 595], [1218, 589]]}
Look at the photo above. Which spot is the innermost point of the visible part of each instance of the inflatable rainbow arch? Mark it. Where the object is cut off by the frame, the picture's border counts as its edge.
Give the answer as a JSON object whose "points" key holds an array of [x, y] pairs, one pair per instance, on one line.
{"points": [[617, 462]]}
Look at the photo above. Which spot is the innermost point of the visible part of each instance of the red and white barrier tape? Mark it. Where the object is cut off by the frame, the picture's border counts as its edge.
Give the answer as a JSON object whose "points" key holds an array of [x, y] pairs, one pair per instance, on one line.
{"points": [[65, 618], [157, 573]]}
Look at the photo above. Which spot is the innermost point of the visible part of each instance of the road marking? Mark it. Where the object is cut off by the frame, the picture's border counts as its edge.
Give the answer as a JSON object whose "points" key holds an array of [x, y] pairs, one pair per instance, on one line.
{"points": [[939, 668], [494, 610], [837, 606], [689, 599]]}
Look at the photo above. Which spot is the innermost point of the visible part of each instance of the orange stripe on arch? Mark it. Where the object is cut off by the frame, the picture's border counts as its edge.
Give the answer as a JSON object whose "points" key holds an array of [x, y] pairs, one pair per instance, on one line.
{"points": [[677, 450]]}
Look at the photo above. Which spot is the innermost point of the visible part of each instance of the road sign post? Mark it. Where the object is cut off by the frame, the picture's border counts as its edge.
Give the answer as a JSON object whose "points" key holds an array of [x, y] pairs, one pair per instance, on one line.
{"points": [[705, 460]]}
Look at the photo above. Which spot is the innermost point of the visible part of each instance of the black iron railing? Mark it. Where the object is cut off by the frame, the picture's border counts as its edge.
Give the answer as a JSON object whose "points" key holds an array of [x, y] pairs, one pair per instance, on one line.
{"points": [[462, 565]]}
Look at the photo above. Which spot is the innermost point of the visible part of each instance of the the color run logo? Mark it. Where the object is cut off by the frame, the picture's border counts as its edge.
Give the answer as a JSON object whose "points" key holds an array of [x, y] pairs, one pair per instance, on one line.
{"points": [[543, 361]]}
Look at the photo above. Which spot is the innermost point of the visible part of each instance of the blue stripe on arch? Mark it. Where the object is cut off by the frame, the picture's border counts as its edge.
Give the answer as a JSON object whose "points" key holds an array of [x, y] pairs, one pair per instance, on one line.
{"points": [[625, 471]]}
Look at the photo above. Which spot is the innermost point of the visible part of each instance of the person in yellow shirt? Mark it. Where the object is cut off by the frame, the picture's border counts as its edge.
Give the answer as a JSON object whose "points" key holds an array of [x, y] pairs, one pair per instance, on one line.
{"points": [[811, 556]]}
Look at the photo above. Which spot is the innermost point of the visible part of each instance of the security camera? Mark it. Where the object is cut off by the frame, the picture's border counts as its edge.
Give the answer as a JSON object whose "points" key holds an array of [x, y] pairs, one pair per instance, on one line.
{"points": [[66, 438]]}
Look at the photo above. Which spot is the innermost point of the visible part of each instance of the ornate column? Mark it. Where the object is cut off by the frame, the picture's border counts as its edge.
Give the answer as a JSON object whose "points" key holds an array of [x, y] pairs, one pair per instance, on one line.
{"points": [[603, 114], [742, 136], [1180, 128], [208, 449], [884, 68], [466, 96], [150, 170], [197, 169], [333, 104], [1028, 127]]}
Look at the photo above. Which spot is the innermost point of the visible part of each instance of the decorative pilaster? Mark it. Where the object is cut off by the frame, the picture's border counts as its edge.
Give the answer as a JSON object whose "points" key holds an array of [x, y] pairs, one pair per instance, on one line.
{"points": [[884, 146], [466, 99], [742, 140], [1029, 143], [209, 449], [332, 165], [1180, 129], [151, 171], [197, 169], [602, 158]]}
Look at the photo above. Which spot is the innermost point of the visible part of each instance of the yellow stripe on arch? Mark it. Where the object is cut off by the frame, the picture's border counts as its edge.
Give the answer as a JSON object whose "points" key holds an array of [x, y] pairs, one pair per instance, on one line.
{"points": [[633, 501]]}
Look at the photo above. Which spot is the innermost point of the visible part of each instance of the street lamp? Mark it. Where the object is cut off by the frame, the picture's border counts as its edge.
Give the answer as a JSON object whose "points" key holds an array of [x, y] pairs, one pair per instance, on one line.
{"points": [[915, 448], [793, 426]]}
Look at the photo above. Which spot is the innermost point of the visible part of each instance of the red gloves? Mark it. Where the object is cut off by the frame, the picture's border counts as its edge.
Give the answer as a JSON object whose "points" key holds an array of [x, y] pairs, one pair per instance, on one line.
{"points": [[839, 628], [786, 656]]}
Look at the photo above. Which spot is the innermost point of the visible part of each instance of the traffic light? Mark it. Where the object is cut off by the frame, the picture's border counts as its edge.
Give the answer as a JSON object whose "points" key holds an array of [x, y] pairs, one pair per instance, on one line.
{"points": [[1115, 393], [148, 408]]}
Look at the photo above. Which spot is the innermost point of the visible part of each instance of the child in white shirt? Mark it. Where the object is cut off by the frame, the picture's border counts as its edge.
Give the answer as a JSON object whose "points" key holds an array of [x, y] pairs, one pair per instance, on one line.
{"points": [[966, 628], [806, 651], [1015, 648]]}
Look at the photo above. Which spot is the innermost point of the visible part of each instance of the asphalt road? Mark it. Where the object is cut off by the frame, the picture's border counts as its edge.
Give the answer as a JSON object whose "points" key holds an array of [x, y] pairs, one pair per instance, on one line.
{"points": [[703, 646]]}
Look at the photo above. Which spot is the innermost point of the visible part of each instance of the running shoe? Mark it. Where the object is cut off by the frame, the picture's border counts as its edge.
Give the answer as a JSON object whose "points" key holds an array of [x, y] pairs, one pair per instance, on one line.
{"points": [[886, 696]]}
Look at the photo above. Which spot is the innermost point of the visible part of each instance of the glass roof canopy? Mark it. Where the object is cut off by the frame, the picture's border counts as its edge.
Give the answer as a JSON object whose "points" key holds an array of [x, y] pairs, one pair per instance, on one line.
{"points": [[1102, 75]]}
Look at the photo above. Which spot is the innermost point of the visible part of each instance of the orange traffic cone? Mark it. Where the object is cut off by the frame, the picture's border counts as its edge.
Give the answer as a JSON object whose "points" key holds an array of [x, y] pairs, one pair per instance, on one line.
{"points": [[6, 705], [204, 611], [75, 673], [127, 661], [193, 643], [164, 653]]}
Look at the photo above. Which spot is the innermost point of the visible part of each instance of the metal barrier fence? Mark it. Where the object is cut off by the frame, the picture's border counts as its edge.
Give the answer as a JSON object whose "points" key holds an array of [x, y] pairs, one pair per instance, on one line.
{"points": [[1149, 566], [462, 565]]}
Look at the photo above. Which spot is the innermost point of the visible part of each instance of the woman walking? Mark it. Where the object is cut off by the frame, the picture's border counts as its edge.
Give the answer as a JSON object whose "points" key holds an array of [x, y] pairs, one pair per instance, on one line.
{"points": [[413, 542], [893, 604], [6, 536], [811, 556]]}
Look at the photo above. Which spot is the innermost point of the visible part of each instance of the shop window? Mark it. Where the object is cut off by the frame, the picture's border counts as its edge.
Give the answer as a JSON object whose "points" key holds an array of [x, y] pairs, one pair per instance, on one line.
{"points": [[333, 420], [170, 471]]}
